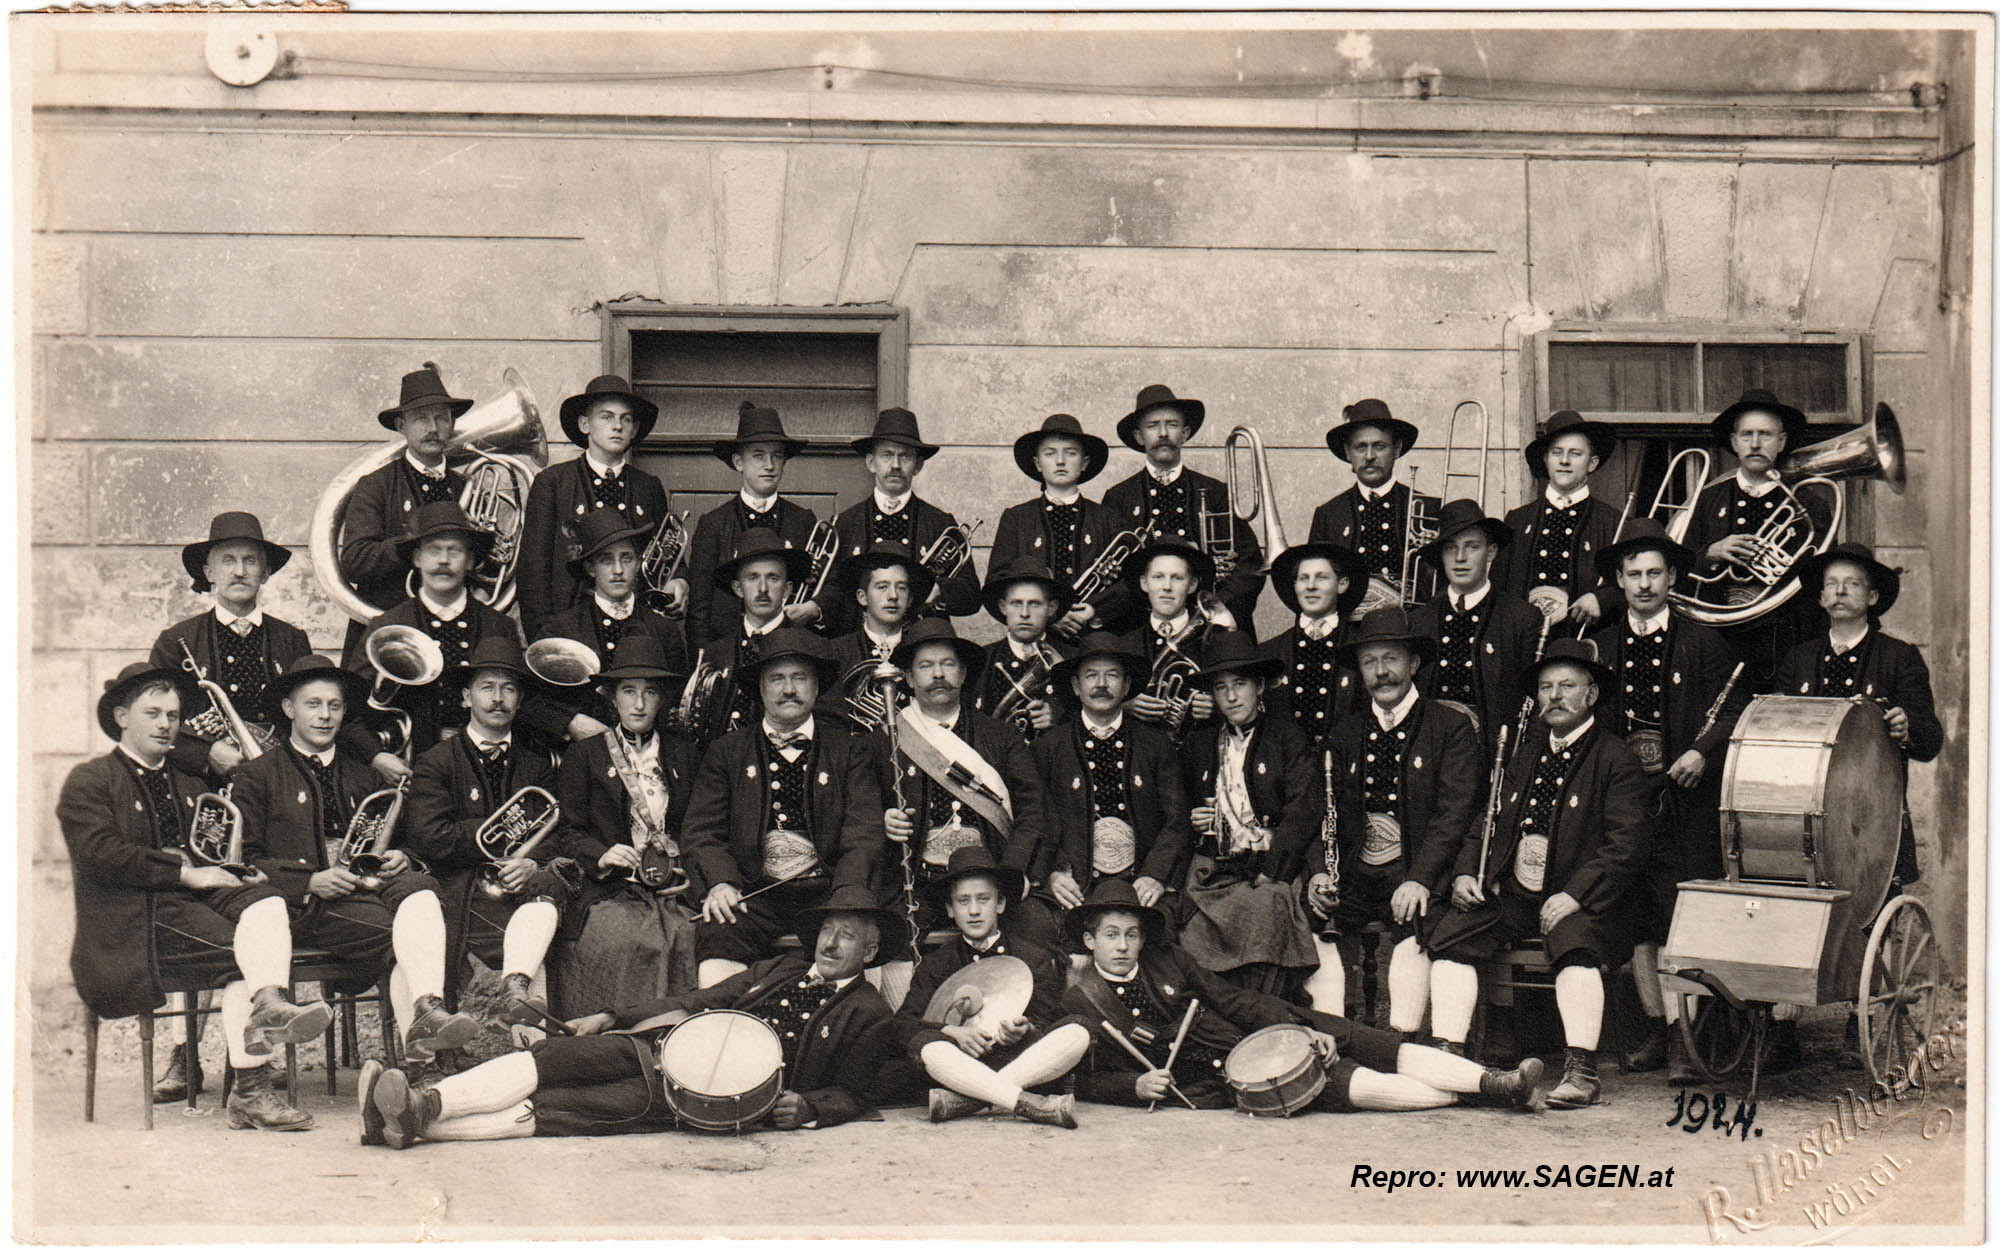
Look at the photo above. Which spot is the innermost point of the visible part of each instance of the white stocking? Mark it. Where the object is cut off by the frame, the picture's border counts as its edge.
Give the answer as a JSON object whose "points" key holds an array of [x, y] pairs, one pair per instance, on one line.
{"points": [[1441, 1069], [495, 1086], [1580, 1001], [1327, 988], [949, 1066], [419, 941], [1049, 1057], [515, 1122], [712, 972], [892, 979], [402, 1004], [235, 1019], [1454, 993], [1409, 986], [1391, 1092], [529, 932], [263, 945]]}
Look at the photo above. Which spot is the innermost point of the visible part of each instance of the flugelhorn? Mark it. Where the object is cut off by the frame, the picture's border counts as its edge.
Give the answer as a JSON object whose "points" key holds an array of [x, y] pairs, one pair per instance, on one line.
{"points": [[403, 658], [697, 713], [370, 831], [513, 832], [665, 552], [821, 547], [215, 836], [947, 555], [504, 431], [221, 721], [1109, 567], [1021, 693], [562, 662], [861, 694]]}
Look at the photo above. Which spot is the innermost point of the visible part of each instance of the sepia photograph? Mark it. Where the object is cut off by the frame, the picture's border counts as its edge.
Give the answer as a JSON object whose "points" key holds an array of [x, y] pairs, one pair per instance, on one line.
{"points": [[1005, 626]]}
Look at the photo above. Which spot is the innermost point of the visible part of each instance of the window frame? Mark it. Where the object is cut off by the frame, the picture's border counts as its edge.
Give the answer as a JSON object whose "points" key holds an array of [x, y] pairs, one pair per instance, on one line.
{"points": [[890, 325], [1860, 369]]}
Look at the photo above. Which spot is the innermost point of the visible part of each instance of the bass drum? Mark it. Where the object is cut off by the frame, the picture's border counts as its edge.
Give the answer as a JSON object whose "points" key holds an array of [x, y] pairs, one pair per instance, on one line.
{"points": [[723, 1071], [1275, 1071]]}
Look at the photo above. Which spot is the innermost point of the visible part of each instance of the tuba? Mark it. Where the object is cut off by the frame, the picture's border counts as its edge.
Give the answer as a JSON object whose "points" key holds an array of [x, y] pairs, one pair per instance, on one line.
{"points": [[403, 658], [665, 552], [513, 832], [499, 447], [1790, 534], [822, 546], [369, 832], [561, 662]]}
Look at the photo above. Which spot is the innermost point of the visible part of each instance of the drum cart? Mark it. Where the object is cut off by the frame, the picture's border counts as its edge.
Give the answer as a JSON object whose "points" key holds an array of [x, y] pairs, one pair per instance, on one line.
{"points": [[1812, 799]]}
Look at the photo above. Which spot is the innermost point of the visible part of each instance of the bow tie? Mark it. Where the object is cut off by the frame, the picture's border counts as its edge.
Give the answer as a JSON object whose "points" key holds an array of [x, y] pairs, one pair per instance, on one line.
{"points": [[491, 750], [785, 741], [433, 474], [812, 980], [242, 627], [609, 481], [1318, 629]]}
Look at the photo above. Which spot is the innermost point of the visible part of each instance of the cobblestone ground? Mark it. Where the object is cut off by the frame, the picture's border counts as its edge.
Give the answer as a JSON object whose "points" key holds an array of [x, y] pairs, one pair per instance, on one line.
{"points": [[1125, 1173]]}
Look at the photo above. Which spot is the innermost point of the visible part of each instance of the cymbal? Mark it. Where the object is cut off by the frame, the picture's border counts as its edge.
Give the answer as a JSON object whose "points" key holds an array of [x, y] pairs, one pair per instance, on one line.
{"points": [[990, 990]]}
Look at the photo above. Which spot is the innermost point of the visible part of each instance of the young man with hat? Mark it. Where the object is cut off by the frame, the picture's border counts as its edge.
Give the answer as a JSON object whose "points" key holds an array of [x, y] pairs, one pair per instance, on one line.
{"points": [[886, 584], [1060, 527], [967, 779], [758, 454], [1408, 788], [1484, 636], [1729, 514], [1142, 986], [443, 548], [983, 1063], [380, 509], [140, 898], [893, 515], [785, 810], [1372, 516], [1321, 584], [1170, 576], [455, 788], [1259, 798], [607, 1079], [615, 610], [625, 795], [298, 803], [607, 419], [1560, 533], [1670, 672], [1568, 852], [758, 578], [1165, 498], [1017, 673], [1117, 803]]}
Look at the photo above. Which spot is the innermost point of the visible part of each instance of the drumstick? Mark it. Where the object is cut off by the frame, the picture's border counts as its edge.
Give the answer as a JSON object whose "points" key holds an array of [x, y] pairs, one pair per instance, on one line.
{"points": [[1144, 1063], [796, 876], [1174, 1052]]}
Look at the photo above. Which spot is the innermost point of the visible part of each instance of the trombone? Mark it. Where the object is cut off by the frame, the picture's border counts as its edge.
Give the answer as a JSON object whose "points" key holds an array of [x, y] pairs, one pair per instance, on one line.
{"points": [[1420, 582]]}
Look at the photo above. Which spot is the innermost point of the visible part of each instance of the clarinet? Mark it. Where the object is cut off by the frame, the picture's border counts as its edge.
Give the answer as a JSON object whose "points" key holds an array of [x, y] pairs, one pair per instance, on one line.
{"points": [[1715, 707], [1329, 837], [887, 677], [1528, 702], [1497, 781]]}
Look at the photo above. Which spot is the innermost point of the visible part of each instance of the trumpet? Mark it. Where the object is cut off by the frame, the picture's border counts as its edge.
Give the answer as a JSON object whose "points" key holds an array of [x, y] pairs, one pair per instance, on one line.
{"points": [[215, 836], [513, 832], [403, 658], [665, 552], [695, 714], [369, 833], [561, 662], [947, 555], [1020, 695], [221, 721], [821, 546]]}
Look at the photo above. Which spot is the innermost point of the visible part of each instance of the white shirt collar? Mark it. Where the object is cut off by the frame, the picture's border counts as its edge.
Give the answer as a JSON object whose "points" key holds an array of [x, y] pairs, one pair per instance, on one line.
{"points": [[428, 473], [1021, 652], [1843, 646], [1395, 715], [1376, 494], [804, 730], [1756, 488], [1651, 624], [1117, 981], [1164, 477], [752, 630], [1103, 732], [603, 470], [1575, 735], [1171, 627], [1064, 497], [150, 767], [443, 612], [1311, 624], [325, 756], [985, 947], [617, 610], [1563, 501], [892, 505], [757, 504], [915, 712], [504, 741], [842, 984], [1470, 600], [223, 617]]}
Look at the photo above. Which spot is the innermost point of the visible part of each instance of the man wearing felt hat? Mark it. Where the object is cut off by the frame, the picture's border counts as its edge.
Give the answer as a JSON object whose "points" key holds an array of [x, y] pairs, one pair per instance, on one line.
{"points": [[966, 778], [1371, 517], [614, 610], [1171, 576], [1060, 527], [1117, 801], [758, 578], [384, 501], [1016, 677], [1407, 777], [607, 1079], [607, 420], [892, 514], [1321, 584], [1565, 863], [1729, 514], [1670, 673], [758, 453], [979, 1061], [1165, 498], [442, 548], [141, 899], [1484, 635], [785, 810], [886, 584], [1553, 563]]}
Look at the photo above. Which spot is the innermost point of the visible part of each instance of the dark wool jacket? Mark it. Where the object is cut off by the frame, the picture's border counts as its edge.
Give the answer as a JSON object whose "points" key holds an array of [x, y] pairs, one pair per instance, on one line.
{"points": [[1440, 794], [436, 707], [1126, 500], [597, 812], [1506, 648], [723, 836], [1024, 531], [714, 612], [1154, 791], [1286, 785], [1002, 748], [1334, 519], [1311, 710], [279, 798], [1514, 570], [557, 503], [378, 513], [956, 596]]}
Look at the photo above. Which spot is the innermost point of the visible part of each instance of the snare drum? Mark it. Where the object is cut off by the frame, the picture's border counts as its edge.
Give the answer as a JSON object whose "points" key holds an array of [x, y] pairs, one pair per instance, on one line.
{"points": [[722, 1071], [1275, 1071]]}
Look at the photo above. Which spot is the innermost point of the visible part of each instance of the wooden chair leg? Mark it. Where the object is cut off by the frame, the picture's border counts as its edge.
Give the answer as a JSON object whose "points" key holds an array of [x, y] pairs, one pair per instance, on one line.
{"points": [[90, 1027], [1371, 986], [146, 1068], [332, 1055], [350, 1032], [228, 1080], [191, 1049], [292, 1056], [392, 1038]]}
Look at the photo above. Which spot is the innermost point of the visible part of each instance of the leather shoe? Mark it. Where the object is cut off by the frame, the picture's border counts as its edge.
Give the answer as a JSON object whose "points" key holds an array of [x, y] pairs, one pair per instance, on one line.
{"points": [[404, 1110], [173, 1084], [1651, 1053], [1518, 1087], [275, 1021], [1681, 1070], [949, 1105], [255, 1103], [432, 1029], [371, 1118], [1056, 1110], [1579, 1087]]}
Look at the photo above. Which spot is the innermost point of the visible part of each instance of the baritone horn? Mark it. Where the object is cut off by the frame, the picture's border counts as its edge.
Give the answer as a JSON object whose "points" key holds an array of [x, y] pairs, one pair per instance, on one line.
{"points": [[660, 565], [403, 658], [513, 832], [499, 446]]}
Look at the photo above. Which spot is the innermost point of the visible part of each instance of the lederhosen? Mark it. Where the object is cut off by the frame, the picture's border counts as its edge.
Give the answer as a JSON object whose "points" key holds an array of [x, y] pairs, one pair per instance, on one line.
{"points": [[481, 922], [187, 924]]}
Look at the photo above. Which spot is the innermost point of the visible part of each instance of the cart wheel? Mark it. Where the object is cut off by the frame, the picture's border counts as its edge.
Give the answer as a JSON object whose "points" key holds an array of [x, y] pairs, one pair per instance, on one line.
{"points": [[1716, 1035], [1901, 973]]}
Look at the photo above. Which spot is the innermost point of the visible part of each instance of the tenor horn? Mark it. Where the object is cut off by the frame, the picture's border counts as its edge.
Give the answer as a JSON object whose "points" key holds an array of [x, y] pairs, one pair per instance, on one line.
{"points": [[499, 446]]}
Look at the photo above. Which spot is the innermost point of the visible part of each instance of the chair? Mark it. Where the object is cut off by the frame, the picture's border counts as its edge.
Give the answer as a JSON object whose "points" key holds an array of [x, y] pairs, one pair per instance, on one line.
{"points": [[1525, 966], [191, 978]]}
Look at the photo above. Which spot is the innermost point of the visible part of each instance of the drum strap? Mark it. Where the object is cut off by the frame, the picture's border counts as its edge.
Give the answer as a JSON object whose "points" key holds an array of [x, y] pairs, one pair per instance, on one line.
{"points": [[956, 767]]}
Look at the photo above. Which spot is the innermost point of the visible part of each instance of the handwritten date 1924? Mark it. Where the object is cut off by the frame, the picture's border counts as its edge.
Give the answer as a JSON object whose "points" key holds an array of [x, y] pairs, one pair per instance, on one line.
{"points": [[1695, 1112]]}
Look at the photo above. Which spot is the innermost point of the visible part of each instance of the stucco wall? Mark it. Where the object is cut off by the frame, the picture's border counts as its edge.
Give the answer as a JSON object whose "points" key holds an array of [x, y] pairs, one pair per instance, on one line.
{"points": [[224, 296]]}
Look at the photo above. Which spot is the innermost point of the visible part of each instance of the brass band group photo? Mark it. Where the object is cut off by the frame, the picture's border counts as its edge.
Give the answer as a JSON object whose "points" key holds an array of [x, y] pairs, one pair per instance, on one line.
{"points": [[762, 819]]}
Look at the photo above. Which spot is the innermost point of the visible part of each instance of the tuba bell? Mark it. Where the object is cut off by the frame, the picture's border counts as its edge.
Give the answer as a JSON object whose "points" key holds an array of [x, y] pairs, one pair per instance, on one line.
{"points": [[499, 446]]}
